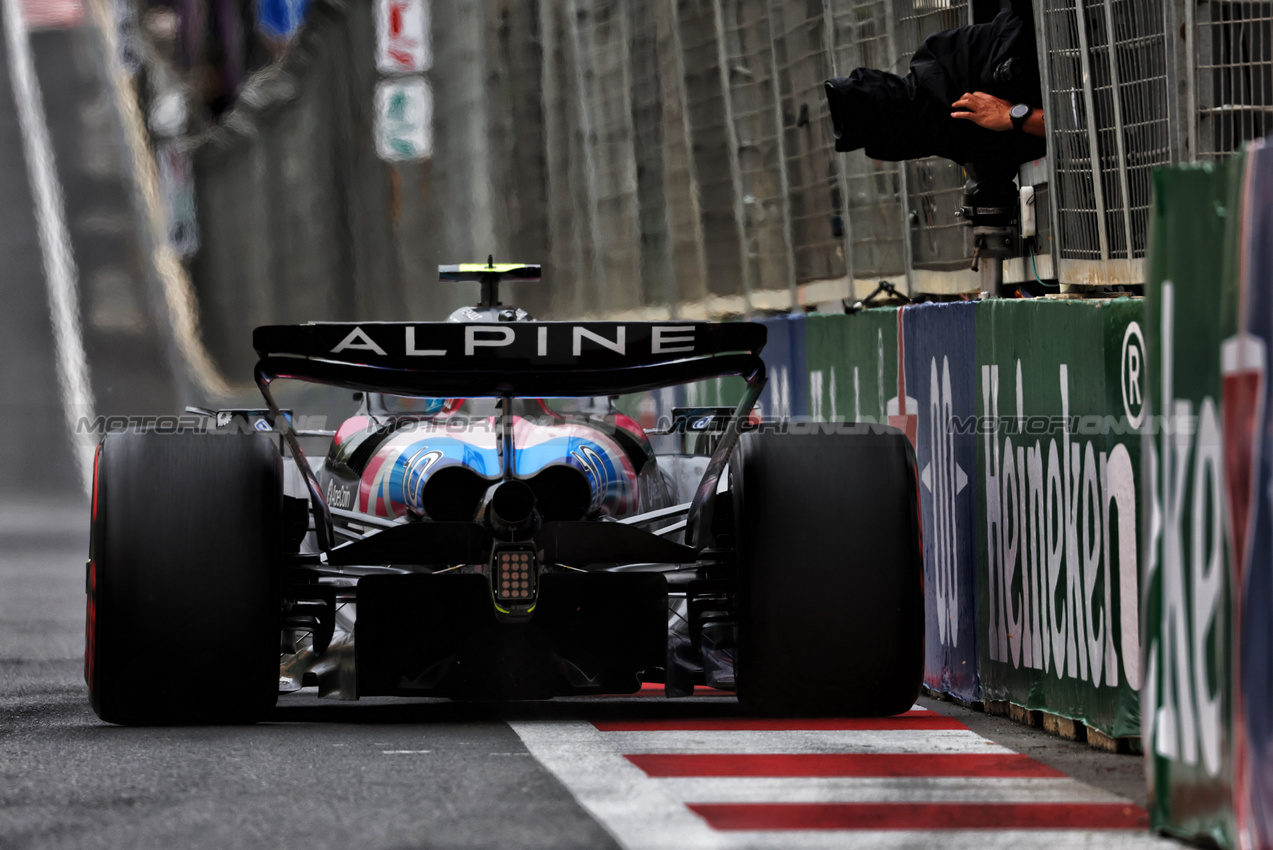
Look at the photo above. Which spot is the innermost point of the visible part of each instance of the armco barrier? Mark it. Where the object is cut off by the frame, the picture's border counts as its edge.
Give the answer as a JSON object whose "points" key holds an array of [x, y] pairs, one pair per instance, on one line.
{"points": [[1189, 733], [939, 349], [1057, 479]]}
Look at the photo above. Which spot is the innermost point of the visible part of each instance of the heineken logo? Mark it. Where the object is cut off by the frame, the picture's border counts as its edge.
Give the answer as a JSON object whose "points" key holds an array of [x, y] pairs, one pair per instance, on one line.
{"points": [[1061, 543], [1186, 555]]}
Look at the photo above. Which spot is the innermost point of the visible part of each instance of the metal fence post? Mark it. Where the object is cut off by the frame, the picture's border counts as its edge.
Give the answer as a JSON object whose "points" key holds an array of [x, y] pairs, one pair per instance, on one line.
{"points": [[894, 56], [1045, 78], [842, 176], [784, 181], [748, 50], [1189, 121], [599, 289], [1089, 104], [735, 167], [674, 79], [1119, 126], [1182, 106]]}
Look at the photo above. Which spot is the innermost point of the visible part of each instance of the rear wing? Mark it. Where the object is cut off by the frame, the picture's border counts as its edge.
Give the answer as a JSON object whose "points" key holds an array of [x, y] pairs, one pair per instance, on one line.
{"points": [[455, 359], [508, 359]]}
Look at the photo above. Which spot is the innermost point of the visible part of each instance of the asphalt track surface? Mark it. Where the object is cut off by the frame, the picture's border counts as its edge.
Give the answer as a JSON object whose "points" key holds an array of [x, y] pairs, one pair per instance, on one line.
{"points": [[598, 773]]}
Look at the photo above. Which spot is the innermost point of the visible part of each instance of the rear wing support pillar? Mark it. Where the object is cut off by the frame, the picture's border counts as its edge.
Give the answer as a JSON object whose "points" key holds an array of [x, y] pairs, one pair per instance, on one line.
{"points": [[698, 522], [323, 528]]}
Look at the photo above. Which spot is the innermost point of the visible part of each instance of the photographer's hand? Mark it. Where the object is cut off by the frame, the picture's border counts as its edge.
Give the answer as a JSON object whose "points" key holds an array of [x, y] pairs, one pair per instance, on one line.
{"points": [[986, 110]]}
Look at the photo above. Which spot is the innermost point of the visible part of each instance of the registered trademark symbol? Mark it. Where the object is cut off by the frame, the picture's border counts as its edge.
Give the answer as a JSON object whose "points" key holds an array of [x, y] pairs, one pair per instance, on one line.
{"points": [[1132, 374]]}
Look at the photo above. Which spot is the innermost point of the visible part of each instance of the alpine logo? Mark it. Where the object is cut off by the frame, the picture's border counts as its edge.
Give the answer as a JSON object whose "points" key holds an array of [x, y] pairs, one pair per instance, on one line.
{"points": [[592, 463], [544, 340]]}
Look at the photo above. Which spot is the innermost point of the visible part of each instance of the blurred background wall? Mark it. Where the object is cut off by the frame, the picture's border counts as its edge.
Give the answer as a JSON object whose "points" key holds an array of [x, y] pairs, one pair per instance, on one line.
{"points": [[666, 157], [676, 157]]}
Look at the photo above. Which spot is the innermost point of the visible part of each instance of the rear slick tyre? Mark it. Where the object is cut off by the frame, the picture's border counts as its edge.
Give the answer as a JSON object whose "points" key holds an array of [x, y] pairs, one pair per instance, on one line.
{"points": [[831, 607], [183, 578]]}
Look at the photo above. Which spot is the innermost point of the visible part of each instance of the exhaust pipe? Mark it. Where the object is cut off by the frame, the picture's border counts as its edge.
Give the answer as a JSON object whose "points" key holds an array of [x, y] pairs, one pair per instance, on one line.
{"points": [[510, 509]]}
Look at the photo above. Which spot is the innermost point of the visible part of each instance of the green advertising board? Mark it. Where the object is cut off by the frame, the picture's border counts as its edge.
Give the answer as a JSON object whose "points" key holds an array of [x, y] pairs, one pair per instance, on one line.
{"points": [[1058, 477], [717, 392], [1187, 691], [852, 365], [653, 409]]}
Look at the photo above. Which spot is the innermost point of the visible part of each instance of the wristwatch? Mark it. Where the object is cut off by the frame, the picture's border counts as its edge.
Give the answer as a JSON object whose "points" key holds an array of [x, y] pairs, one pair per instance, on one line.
{"points": [[1019, 114]]}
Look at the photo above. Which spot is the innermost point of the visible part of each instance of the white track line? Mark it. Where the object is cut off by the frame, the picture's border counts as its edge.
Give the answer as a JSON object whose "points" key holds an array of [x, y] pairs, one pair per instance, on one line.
{"points": [[908, 789], [60, 274], [639, 813], [803, 741]]}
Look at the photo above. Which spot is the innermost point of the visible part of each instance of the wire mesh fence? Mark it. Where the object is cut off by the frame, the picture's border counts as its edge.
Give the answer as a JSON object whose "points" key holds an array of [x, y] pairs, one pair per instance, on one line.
{"points": [[1234, 74], [877, 219], [601, 33], [646, 93], [713, 156], [1080, 231], [816, 204], [676, 157], [758, 126], [934, 186], [1108, 114], [1139, 66]]}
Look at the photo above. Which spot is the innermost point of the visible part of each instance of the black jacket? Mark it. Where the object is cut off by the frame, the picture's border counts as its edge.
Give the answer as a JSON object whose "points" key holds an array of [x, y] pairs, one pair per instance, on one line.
{"points": [[896, 118]]}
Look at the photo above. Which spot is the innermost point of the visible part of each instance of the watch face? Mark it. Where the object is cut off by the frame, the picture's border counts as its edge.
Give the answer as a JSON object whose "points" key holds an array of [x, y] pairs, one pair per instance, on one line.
{"points": [[1019, 111]]}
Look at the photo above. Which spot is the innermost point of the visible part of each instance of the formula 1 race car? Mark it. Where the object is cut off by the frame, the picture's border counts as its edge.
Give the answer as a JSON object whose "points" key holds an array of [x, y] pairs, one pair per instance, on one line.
{"points": [[489, 525]]}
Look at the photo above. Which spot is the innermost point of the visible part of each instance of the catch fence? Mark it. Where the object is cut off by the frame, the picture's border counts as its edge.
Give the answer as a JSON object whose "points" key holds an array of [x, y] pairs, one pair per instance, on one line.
{"points": [[676, 158], [727, 95]]}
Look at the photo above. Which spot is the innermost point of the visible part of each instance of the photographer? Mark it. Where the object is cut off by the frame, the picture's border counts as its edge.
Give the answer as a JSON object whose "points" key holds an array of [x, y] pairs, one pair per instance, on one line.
{"points": [[971, 95]]}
